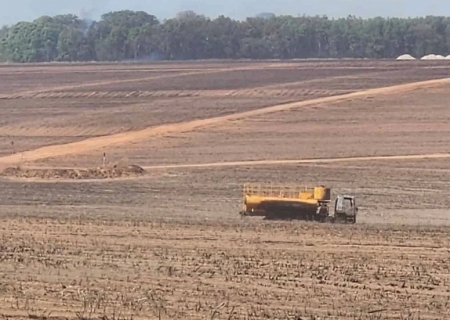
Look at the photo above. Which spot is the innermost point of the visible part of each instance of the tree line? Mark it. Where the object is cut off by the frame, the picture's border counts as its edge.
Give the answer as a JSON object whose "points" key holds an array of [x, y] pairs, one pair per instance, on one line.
{"points": [[137, 35]]}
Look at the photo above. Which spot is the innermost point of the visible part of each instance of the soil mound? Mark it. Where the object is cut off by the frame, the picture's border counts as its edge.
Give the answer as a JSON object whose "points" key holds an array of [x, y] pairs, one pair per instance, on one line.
{"points": [[406, 57], [433, 57], [111, 172]]}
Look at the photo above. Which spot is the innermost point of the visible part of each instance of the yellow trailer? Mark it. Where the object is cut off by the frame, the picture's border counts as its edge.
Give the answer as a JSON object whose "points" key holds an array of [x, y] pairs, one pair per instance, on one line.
{"points": [[296, 202]]}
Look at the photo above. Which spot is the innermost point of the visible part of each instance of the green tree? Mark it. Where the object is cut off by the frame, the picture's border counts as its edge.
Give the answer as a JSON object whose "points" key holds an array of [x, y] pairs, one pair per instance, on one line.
{"points": [[122, 35], [137, 35]]}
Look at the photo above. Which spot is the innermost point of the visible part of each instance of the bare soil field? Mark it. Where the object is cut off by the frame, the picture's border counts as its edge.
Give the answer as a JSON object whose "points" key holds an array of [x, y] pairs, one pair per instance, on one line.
{"points": [[72, 120], [401, 124], [13, 81], [98, 113], [79, 241], [239, 79]]}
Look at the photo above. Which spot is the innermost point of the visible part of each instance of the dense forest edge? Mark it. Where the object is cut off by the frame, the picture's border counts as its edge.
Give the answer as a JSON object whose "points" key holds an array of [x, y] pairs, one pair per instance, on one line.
{"points": [[136, 35]]}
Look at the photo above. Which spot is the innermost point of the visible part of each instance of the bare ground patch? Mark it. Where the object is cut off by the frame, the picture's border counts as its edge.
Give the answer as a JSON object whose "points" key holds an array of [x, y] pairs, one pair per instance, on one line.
{"points": [[105, 172]]}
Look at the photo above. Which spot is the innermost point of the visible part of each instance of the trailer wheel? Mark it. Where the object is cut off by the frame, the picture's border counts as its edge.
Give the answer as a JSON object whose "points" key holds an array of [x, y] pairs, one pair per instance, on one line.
{"points": [[350, 219]]}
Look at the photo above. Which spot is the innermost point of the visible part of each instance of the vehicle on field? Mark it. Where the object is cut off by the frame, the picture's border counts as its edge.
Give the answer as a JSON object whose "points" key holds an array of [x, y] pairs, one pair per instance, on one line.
{"points": [[294, 202]]}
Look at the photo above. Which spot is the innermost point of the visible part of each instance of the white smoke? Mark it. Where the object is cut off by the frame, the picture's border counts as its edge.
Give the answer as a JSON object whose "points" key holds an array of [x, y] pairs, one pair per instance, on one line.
{"points": [[87, 16]]}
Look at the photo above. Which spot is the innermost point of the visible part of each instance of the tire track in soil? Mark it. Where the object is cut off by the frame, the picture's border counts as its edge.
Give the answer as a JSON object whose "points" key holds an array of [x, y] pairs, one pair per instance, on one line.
{"points": [[31, 93], [102, 142], [279, 89], [308, 162], [259, 92], [300, 161]]}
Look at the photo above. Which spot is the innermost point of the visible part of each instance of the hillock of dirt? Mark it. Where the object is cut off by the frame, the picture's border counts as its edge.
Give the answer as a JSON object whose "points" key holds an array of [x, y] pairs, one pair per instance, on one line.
{"points": [[109, 172], [406, 57]]}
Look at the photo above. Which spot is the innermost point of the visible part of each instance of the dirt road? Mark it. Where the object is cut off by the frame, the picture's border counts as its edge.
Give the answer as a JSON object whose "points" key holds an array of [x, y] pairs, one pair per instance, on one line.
{"points": [[300, 161], [281, 162], [99, 143]]}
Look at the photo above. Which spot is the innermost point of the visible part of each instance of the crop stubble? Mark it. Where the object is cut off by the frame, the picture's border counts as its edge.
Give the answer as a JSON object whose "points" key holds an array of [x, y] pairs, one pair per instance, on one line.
{"points": [[251, 271], [171, 246]]}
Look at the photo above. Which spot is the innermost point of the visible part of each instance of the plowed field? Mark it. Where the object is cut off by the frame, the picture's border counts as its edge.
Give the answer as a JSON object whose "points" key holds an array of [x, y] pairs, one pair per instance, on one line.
{"points": [[83, 241]]}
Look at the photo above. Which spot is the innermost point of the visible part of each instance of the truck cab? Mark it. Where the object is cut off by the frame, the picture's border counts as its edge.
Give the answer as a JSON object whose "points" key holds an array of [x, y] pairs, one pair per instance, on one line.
{"points": [[345, 208]]}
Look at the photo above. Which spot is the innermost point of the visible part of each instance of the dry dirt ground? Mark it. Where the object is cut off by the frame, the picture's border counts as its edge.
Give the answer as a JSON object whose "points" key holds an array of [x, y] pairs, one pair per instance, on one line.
{"points": [[169, 243]]}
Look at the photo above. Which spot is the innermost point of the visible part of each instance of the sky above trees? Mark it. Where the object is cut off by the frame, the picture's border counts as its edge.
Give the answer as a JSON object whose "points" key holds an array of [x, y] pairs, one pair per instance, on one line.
{"points": [[28, 10]]}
